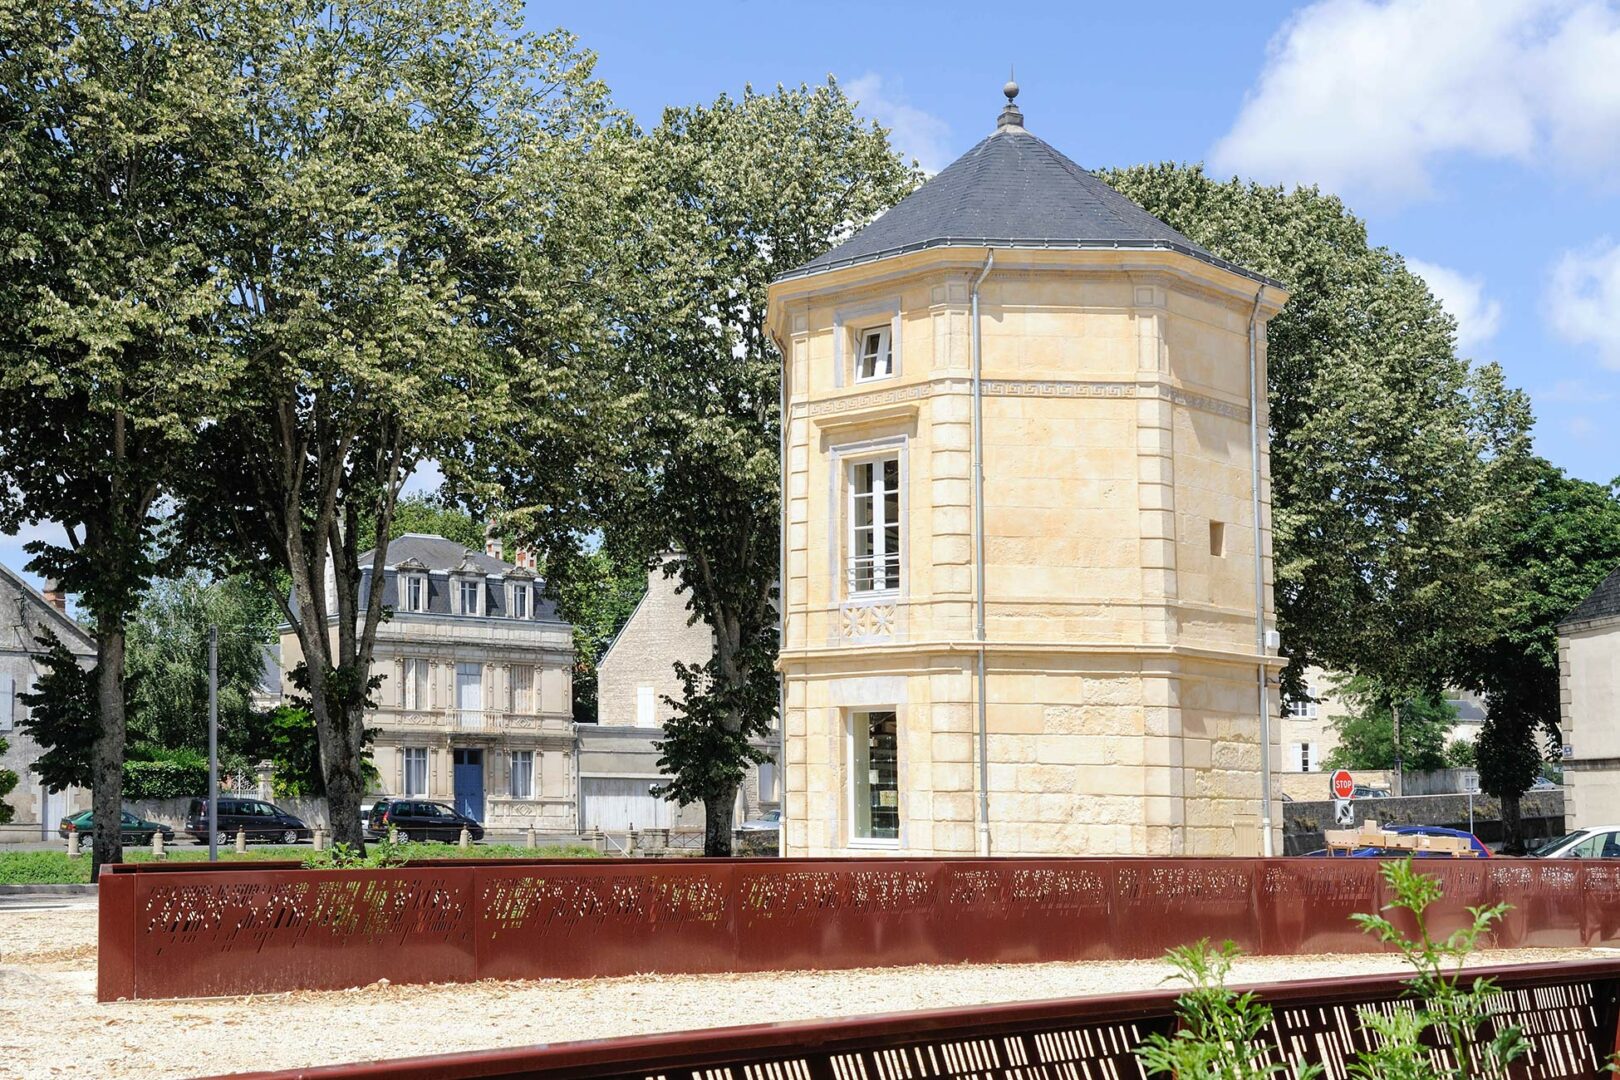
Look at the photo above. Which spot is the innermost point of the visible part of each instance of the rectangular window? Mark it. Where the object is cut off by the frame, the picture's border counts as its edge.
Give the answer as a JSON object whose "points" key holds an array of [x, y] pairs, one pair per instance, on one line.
{"points": [[767, 781], [875, 775], [1304, 757], [523, 774], [469, 596], [1302, 710], [520, 602], [874, 525], [416, 770], [523, 690], [413, 691], [1217, 539], [875, 361], [8, 702], [415, 592], [646, 703]]}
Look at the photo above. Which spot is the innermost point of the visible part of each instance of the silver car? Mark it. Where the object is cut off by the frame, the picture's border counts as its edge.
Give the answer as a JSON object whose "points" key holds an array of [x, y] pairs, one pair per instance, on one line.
{"points": [[770, 821], [1593, 842]]}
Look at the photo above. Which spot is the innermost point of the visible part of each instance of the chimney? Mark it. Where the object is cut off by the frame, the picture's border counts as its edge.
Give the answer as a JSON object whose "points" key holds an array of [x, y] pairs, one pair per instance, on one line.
{"points": [[525, 558], [492, 543], [57, 598]]}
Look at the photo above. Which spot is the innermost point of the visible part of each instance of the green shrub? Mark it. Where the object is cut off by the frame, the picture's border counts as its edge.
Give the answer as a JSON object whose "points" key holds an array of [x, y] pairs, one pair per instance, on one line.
{"points": [[164, 779]]}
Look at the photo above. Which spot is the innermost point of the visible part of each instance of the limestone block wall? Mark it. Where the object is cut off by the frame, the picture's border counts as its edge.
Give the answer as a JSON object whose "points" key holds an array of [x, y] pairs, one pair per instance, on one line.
{"points": [[1122, 708], [640, 664], [1589, 661]]}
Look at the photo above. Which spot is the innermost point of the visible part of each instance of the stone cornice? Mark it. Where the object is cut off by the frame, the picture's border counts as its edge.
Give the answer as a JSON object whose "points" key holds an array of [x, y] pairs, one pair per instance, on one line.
{"points": [[1140, 389]]}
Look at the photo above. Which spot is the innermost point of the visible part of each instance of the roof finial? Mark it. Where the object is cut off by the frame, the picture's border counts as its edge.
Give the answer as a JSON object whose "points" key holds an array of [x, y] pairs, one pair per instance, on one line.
{"points": [[1010, 116]]}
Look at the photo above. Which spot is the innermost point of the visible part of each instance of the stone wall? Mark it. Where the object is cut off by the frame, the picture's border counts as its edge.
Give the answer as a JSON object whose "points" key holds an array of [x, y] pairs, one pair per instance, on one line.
{"points": [[639, 665], [1542, 813]]}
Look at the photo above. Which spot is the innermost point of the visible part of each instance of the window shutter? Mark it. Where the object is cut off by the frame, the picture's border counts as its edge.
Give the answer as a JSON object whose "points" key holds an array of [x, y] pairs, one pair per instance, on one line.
{"points": [[8, 701]]}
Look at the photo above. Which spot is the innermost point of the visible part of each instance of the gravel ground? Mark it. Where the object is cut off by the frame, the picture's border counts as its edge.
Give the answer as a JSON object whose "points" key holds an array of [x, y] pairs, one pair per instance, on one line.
{"points": [[51, 1024]]}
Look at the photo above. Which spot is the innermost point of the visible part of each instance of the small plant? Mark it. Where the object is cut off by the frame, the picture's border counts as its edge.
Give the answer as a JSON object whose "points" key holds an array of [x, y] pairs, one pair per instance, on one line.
{"points": [[1459, 1015], [343, 857], [1219, 1035]]}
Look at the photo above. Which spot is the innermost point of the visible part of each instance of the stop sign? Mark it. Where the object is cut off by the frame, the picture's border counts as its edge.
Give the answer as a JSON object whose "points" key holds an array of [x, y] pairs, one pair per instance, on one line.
{"points": [[1344, 785]]}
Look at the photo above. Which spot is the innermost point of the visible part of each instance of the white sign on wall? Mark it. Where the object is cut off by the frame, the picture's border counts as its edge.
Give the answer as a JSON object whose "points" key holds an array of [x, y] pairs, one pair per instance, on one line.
{"points": [[1470, 782]]}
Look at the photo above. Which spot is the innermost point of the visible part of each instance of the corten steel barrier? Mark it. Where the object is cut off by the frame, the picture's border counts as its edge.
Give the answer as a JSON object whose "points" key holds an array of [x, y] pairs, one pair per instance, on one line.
{"points": [[183, 931], [1568, 1013]]}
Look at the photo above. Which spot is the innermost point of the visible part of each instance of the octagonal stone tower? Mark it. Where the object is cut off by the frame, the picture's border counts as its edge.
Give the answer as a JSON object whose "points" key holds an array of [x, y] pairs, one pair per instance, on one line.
{"points": [[1024, 611]]}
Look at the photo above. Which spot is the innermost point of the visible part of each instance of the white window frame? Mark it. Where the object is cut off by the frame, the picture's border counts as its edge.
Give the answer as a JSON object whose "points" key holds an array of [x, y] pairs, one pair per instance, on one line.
{"points": [[8, 702], [528, 758], [519, 591], [416, 755], [850, 325], [646, 707], [413, 684], [523, 679], [852, 760], [1302, 710], [406, 581], [884, 568], [462, 587], [881, 357]]}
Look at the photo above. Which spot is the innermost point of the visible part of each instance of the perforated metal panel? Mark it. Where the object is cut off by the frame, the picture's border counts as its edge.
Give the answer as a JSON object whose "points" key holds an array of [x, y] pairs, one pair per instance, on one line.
{"points": [[182, 931]]}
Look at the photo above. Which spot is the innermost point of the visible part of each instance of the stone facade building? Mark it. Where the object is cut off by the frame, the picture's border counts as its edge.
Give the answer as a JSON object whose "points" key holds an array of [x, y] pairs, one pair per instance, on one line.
{"points": [[26, 615], [1589, 684], [1019, 345], [476, 704], [618, 761]]}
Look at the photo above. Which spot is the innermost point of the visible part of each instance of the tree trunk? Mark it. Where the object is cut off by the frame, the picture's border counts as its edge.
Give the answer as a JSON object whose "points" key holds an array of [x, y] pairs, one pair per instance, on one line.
{"points": [[1512, 826], [107, 755], [340, 769], [717, 822]]}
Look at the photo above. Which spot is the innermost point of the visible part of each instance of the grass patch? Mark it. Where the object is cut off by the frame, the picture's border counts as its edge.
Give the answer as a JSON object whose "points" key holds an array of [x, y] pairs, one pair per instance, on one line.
{"points": [[55, 868]]}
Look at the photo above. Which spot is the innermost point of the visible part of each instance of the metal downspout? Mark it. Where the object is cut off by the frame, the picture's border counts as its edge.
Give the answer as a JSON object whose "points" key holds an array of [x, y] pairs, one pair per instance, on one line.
{"points": [[978, 561], [1266, 845], [781, 603]]}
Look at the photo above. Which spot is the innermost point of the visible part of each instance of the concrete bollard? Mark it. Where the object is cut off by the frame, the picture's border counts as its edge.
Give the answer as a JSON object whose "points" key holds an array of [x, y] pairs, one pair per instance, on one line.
{"points": [[241, 841], [73, 844], [630, 842], [598, 841], [319, 840], [528, 839], [157, 846], [466, 839]]}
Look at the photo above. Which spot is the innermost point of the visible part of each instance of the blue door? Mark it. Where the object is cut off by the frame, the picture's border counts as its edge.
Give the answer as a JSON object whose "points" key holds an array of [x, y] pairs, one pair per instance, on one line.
{"points": [[469, 782]]}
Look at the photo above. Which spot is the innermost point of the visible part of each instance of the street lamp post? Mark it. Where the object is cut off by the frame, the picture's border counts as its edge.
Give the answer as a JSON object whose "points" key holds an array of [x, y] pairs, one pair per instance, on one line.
{"points": [[213, 744]]}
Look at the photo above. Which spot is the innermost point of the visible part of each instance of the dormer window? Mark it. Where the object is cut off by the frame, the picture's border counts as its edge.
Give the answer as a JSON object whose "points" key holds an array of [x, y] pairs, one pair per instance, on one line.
{"points": [[415, 591], [873, 360], [470, 590], [519, 606]]}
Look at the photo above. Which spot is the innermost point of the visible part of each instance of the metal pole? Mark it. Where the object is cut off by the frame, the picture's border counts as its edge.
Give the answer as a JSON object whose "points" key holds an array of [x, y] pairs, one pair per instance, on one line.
{"points": [[213, 744], [1255, 400], [1395, 722], [978, 559]]}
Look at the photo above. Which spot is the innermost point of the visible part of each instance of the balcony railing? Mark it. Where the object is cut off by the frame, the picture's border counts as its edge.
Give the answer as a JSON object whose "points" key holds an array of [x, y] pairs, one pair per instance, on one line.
{"points": [[488, 720]]}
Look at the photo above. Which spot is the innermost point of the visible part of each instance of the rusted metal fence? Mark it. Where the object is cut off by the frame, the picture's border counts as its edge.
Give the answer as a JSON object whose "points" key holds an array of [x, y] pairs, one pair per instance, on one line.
{"points": [[1568, 1013], [182, 931]]}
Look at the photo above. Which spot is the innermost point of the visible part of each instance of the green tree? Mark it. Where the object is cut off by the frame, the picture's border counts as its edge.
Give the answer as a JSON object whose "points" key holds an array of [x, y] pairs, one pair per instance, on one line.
{"points": [[112, 170], [402, 159], [428, 514], [668, 439], [168, 664], [62, 716], [1392, 460], [1554, 549], [8, 783], [597, 598], [1367, 735]]}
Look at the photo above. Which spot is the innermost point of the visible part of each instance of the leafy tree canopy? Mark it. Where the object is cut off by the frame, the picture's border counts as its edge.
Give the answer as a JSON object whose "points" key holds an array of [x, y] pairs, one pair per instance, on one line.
{"points": [[669, 436], [62, 716], [1367, 733], [1392, 460]]}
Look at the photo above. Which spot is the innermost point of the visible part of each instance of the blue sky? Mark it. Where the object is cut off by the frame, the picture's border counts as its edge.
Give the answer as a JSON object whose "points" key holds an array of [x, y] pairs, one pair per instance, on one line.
{"points": [[1478, 138]]}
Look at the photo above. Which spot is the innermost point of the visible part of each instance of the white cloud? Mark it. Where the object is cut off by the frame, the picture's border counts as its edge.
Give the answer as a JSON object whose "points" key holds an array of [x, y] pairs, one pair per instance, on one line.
{"points": [[1368, 96], [1464, 299], [914, 132], [1572, 392], [1583, 299]]}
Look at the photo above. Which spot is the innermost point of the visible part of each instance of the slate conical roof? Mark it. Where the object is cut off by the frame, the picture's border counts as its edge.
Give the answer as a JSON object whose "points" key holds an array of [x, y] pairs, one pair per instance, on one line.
{"points": [[1012, 190]]}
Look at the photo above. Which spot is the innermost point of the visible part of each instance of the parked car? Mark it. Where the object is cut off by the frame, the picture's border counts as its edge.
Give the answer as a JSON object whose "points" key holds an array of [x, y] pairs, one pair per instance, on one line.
{"points": [[1544, 784], [1593, 842], [1401, 853], [135, 830], [259, 819], [770, 821], [418, 819], [1365, 791]]}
